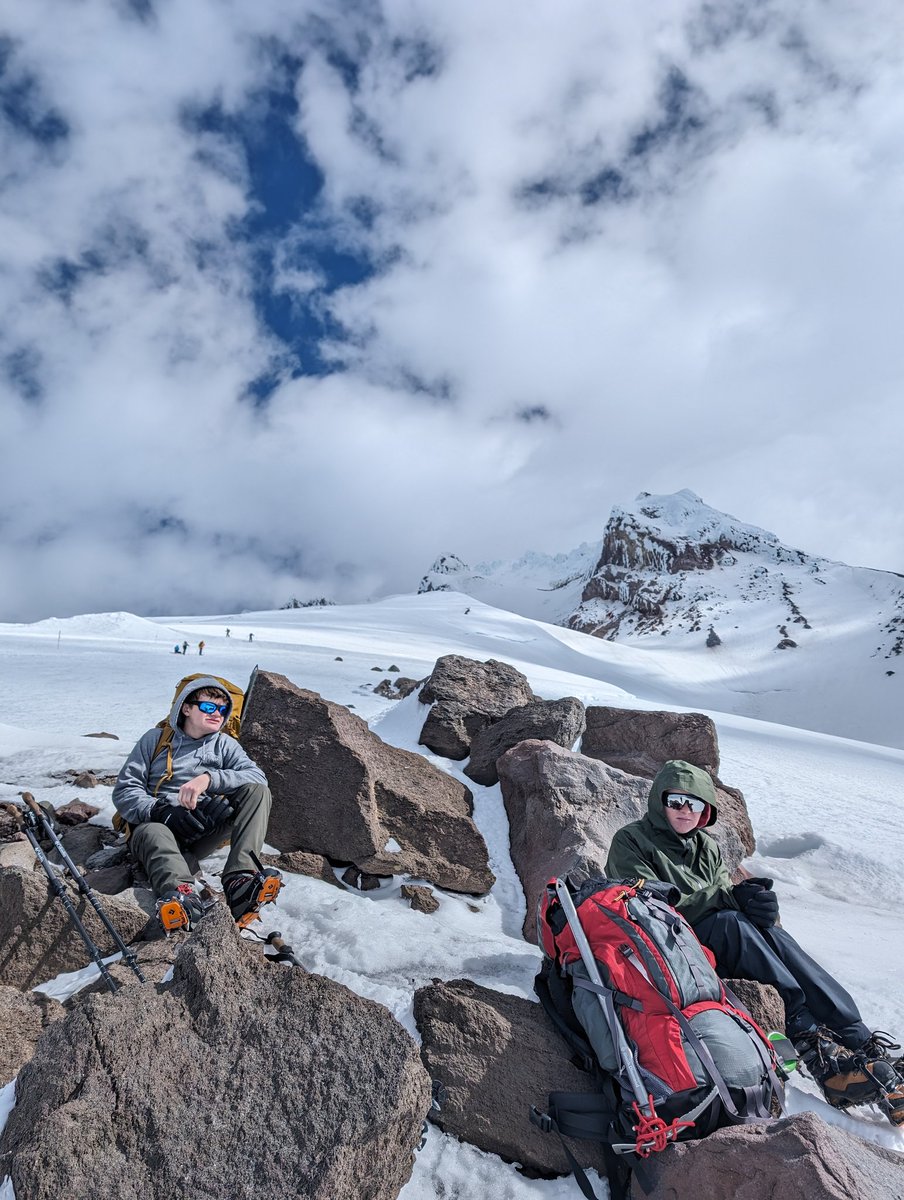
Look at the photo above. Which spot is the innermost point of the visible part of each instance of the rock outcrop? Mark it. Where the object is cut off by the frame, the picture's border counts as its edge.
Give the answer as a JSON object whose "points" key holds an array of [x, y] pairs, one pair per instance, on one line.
{"points": [[23, 1018], [563, 810], [496, 1055], [639, 742], [798, 1158], [465, 696], [559, 721], [242, 1078], [339, 791], [37, 939]]}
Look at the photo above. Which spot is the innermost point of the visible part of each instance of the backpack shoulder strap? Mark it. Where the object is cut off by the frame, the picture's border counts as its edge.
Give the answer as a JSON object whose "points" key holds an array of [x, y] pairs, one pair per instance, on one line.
{"points": [[164, 742]]}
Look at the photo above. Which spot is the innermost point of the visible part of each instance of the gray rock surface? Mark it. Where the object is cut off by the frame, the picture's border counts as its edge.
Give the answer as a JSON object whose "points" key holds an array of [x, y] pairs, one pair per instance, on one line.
{"points": [[798, 1158], [23, 1018], [496, 1055], [465, 696], [339, 791], [563, 810], [37, 940], [559, 721], [242, 1079]]}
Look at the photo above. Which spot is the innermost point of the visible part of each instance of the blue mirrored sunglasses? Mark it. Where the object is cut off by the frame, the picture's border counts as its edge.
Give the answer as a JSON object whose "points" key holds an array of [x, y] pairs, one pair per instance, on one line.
{"points": [[677, 800], [208, 707]]}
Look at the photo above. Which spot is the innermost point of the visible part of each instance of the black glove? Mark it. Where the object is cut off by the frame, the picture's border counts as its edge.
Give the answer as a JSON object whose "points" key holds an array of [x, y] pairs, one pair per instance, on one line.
{"points": [[213, 811], [182, 821], [756, 900]]}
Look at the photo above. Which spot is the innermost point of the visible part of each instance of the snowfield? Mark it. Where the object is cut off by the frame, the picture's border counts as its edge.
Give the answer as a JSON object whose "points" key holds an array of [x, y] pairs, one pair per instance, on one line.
{"points": [[827, 812]]}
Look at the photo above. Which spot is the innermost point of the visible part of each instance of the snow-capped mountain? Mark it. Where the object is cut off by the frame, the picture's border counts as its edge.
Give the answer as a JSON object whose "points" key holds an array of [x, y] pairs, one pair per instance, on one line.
{"points": [[779, 633], [545, 587]]}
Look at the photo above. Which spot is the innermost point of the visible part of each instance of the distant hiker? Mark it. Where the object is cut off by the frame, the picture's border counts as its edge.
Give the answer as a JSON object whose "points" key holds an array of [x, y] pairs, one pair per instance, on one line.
{"points": [[250, 637], [738, 923], [176, 650], [227, 633], [185, 647], [201, 647], [202, 791]]}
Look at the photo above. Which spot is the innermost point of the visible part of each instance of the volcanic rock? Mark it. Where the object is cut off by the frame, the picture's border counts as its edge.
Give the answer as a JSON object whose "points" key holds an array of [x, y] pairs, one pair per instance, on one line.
{"points": [[559, 721], [243, 1078], [340, 791], [798, 1158], [37, 940], [563, 810], [465, 696], [23, 1018]]}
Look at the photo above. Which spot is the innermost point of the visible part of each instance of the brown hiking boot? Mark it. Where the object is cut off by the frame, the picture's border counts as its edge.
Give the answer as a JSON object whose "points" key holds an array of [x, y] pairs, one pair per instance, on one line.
{"points": [[849, 1077]]}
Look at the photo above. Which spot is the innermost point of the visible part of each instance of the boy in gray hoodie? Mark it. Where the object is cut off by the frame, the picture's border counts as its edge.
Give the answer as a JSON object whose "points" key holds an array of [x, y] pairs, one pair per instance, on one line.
{"points": [[199, 791]]}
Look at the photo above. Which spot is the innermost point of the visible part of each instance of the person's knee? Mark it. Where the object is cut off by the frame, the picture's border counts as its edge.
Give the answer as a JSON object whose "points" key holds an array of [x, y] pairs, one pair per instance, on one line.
{"points": [[252, 793]]}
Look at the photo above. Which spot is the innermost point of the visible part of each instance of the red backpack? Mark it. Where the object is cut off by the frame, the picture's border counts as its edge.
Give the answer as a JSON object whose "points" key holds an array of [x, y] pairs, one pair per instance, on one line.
{"points": [[636, 995]]}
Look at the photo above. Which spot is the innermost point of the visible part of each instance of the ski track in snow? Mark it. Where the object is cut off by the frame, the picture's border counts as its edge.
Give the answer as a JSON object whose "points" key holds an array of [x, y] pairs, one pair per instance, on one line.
{"points": [[826, 811]]}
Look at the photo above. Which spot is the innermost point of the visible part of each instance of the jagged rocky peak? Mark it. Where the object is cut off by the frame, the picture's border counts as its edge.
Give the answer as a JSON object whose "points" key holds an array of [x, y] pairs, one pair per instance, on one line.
{"points": [[659, 561], [680, 532], [445, 565]]}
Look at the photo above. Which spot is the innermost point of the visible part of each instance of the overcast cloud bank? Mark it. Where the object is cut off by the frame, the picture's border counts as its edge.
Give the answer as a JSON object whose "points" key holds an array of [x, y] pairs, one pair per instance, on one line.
{"points": [[296, 298]]}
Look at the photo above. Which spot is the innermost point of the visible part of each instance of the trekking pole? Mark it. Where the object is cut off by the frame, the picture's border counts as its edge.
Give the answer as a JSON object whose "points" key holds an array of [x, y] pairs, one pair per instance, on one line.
{"points": [[59, 887], [621, 1042], [35, 817]]}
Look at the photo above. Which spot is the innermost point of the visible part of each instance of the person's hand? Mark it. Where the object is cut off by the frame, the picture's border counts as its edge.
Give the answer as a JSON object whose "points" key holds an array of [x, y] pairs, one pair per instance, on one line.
{"points": [[189, 792], [184, 824], [756, 900], [213, 811]]}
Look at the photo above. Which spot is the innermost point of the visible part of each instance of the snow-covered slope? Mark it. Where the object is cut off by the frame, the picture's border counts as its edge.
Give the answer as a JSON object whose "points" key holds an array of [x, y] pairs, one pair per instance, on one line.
{"points": [[713, 603], [822, 808], [546, 587]]}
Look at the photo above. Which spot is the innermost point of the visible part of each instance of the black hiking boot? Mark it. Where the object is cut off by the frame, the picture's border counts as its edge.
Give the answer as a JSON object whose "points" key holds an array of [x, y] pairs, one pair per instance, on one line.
{"points": [[247, 891], [880, 1046], [182, 909]]}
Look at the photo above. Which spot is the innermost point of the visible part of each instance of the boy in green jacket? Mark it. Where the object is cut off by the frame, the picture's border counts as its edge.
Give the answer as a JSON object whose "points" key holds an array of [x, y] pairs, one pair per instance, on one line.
{"points": [[738, 924]]}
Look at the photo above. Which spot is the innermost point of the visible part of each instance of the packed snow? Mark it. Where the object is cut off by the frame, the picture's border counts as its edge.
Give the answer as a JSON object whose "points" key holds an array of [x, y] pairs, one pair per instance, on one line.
{"points": [[826, 811]]}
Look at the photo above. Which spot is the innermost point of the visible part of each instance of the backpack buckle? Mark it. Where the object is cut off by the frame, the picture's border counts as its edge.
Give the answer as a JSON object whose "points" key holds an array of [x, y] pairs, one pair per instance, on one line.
{"points": [[542, 1120]]}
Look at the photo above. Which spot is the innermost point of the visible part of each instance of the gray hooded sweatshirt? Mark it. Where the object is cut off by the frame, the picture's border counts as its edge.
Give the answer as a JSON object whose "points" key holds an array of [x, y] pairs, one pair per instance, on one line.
{"points": [[217, 754]]}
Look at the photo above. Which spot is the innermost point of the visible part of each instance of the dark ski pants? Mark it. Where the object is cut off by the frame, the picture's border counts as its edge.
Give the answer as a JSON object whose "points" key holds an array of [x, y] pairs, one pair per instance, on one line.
{"points": [[167, 862], [811, 995]]}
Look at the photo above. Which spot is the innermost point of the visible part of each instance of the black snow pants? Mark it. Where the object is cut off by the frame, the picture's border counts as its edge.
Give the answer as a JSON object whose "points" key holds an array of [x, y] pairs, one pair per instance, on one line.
{"points": [[811, 995]]}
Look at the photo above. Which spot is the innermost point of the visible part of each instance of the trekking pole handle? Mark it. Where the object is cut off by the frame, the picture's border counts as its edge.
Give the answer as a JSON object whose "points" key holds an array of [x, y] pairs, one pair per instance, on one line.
{"points": [[624, 1050]]}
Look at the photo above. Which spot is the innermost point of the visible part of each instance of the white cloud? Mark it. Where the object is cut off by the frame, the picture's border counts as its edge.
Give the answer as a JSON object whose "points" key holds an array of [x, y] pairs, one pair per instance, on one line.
{"points": [[725, 319]]}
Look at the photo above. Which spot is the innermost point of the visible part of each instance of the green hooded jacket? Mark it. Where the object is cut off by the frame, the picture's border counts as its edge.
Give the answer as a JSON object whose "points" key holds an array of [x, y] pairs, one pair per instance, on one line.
{"points": [[650, 847]]}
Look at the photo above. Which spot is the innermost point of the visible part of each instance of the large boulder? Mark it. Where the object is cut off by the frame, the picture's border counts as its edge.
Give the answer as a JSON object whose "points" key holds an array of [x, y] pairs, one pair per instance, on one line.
{"points": [[340, 791], [559, 721], [243, 1078], [640, 742], [563, 810], [23, 1018], [465, 696], [37, 939], [495, 1056], [798, 1158]]}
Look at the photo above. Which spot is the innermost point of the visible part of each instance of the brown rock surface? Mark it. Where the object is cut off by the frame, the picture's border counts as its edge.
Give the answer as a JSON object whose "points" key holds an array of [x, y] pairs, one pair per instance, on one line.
{"points": [[37, 940], [23, 1018], [563, 810], [798, 1158], [496, 1055], [465, 696], [339, 791], [242, 1079], [559, 721]]}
